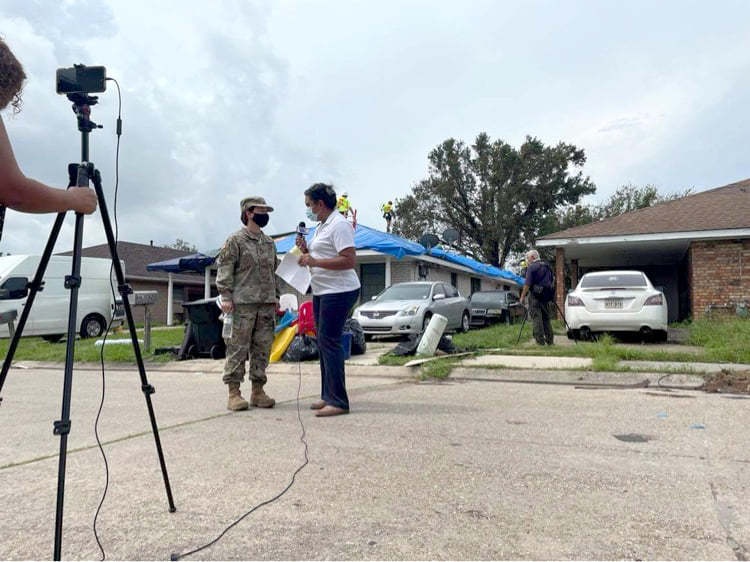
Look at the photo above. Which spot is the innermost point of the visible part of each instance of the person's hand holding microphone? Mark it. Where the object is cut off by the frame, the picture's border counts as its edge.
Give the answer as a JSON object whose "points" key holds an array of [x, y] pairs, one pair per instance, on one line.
{"points": [[301, 243]]}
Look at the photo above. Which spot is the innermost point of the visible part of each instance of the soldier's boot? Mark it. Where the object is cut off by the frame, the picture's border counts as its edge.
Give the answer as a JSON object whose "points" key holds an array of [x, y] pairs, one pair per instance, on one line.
{"points": [[260, 399], [236, 401]]}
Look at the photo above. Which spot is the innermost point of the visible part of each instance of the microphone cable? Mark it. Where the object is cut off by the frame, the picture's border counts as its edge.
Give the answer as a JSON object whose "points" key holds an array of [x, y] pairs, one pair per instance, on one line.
{"points": [[109, 327], [303, 440]]}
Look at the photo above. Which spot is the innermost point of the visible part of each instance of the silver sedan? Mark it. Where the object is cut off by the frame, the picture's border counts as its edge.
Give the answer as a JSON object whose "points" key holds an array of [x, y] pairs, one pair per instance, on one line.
{"points": [[406, 308]]}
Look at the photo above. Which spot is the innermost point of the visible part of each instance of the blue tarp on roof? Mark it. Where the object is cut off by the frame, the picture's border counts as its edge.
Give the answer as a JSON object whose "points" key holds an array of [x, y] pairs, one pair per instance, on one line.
{"points": [[192, 263], [474, 265], [366, 238]]}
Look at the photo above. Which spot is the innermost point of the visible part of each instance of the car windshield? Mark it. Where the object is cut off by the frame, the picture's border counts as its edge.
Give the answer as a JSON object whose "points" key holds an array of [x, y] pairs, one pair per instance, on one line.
{"points": [[614, 280], [405, 293], [487, 298]]}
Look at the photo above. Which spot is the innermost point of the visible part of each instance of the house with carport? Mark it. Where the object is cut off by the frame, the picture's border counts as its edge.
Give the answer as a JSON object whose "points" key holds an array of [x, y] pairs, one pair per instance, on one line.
{"points": [[696, 249]]}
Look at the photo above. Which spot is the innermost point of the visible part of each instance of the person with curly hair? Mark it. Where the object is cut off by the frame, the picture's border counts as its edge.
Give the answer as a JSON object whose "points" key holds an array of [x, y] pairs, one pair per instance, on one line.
{"points": [[17, 191]]}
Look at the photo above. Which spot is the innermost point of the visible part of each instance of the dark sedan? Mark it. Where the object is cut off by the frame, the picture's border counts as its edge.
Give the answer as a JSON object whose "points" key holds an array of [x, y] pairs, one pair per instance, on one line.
{"points": [[490, 307]]}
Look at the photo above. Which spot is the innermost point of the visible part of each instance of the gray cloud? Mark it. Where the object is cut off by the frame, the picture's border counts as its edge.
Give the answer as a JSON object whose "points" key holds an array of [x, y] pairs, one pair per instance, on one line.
{"points": [[231, 98]]}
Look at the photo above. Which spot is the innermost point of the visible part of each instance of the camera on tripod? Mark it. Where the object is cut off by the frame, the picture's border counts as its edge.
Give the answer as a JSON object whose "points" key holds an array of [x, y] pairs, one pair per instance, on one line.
{"points": [[81, 79]]}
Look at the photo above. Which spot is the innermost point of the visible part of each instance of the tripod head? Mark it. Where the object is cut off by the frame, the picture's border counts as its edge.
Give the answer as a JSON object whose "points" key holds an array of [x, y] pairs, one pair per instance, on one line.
{"points": [[77, 83], [82, 103]]}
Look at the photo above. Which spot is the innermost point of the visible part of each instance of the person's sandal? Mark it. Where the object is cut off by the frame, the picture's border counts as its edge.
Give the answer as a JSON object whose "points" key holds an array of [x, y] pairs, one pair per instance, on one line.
{"points": [[328, 410]]}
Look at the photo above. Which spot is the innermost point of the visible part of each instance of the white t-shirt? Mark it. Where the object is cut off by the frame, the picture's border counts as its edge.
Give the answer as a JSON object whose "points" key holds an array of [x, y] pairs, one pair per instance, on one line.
{"points": [[330, 238]]}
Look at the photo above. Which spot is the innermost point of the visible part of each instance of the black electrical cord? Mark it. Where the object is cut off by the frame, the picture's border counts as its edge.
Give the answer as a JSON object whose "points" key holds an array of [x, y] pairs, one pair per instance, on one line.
{"points": [[109, 326], [303, 440]]}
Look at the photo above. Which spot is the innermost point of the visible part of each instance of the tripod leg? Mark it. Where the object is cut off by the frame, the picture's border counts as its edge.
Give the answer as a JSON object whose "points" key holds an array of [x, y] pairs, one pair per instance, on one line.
{"points": [[525, 316], [35, 286], [560, 312], [124, 290], [62, 426]]}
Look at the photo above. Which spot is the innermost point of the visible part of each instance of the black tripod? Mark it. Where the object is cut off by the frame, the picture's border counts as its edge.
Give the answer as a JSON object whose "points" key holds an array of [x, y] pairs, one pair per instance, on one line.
{"points": [[80, 174], [526, 315]]}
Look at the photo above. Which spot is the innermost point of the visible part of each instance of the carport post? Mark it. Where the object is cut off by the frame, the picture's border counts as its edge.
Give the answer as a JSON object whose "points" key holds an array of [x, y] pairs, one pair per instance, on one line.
{"points": [[169, 301], [207, 283]]}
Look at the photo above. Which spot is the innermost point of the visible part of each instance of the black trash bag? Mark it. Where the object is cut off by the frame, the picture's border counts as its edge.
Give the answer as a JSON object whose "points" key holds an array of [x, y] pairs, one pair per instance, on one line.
{"points": [[359, 346], [407, 347], [446, 344], [302, 348]]}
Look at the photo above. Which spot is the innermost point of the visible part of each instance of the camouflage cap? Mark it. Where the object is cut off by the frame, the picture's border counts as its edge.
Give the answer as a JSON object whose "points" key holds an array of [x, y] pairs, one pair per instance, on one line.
{"points": [[254, 201]]}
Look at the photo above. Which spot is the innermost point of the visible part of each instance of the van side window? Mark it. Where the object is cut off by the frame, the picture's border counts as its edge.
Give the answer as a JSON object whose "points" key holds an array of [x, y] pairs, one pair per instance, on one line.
{"points": [[14, 288]]}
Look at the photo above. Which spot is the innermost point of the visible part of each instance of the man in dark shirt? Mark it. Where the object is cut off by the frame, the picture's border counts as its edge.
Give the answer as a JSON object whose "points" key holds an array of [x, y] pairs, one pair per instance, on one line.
{"points": [[539, 286]]}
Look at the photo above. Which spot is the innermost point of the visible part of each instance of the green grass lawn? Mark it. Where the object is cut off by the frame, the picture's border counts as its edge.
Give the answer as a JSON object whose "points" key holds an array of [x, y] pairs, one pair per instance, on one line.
{"points": [[718, 340], [36, 349], [722, 340]]}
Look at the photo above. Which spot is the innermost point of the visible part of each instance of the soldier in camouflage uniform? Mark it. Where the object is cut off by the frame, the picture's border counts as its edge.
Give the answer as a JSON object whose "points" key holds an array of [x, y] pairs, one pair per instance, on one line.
{"points": [[247, 284]]}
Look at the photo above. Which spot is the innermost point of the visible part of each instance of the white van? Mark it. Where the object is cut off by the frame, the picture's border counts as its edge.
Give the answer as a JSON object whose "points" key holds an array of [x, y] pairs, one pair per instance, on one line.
{"points": [[49, 312]]}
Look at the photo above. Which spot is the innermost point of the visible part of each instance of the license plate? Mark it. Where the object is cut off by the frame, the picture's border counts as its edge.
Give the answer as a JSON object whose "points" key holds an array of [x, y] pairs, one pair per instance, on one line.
{"points": [[494, 311], [612, 303]]}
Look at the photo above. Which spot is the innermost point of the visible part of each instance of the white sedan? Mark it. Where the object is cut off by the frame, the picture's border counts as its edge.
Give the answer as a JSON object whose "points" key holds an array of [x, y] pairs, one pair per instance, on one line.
{"points": [[616, 301]]}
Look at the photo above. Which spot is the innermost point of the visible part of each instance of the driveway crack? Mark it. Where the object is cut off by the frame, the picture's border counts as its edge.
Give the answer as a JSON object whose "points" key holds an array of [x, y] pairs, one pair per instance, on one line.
{"points": [[725, 514]]}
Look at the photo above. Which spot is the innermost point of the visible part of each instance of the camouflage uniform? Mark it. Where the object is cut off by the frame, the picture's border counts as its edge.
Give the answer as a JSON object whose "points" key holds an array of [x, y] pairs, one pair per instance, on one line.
{"points": [[246, 276]]}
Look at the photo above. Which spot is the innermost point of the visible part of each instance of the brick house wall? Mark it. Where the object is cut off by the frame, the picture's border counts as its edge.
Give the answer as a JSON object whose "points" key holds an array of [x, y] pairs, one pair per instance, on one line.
{"points": [[719, 275], [180, 293], [403, 271]]}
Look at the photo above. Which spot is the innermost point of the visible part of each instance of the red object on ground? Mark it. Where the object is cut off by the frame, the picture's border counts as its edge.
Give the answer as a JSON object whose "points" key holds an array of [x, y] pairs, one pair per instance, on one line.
{"points": [[305, 320]]}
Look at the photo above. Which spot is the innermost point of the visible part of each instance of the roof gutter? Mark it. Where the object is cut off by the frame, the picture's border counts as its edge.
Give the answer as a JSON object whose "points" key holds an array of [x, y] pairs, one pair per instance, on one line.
{"points": [[659, 237]]}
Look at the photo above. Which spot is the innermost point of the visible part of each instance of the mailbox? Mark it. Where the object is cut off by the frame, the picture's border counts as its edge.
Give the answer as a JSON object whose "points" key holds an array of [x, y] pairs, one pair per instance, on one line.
{"points": [[142, 298], [8, 316]]}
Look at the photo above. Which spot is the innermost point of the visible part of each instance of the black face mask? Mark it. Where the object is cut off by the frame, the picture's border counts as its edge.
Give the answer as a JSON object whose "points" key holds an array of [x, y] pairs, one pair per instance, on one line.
{"points": [[261, 219]]}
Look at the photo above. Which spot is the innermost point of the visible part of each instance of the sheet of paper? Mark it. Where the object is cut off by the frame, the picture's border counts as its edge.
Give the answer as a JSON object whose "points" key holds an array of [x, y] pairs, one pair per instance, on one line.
{"points": [[296, 275]]}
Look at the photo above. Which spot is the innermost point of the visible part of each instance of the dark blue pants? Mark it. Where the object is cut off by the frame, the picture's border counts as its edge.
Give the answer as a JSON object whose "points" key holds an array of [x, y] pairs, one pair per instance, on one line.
{"points": [[330, 313]]}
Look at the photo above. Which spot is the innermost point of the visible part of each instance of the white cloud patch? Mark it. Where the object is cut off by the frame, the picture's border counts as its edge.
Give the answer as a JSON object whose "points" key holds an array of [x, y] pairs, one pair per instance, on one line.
{"points": [[230, 98]]}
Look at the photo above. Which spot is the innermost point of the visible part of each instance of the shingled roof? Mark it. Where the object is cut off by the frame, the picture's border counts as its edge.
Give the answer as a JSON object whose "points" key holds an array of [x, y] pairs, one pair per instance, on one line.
{"points": [[722, 208], [138, 256]]}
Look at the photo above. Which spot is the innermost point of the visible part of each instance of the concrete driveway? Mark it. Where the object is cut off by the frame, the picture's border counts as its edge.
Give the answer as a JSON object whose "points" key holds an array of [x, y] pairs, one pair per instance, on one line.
{"points": [[471, 468]]}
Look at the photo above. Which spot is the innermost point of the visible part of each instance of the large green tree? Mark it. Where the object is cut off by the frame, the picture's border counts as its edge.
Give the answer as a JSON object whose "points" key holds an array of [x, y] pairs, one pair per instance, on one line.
{"points": [[496, 196], [183, 245], [625, 199]]}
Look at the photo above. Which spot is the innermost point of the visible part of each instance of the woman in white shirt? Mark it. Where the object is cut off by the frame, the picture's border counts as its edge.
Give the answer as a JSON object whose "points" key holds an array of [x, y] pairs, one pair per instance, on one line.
{"points": [[335, 287]]}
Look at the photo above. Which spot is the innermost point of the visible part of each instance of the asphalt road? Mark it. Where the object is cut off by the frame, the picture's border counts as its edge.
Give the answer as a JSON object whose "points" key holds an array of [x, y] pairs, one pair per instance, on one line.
{"points": [[471, 468]]}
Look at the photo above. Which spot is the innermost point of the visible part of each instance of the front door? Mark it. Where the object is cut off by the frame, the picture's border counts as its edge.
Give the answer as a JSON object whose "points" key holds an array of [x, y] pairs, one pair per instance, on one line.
{"points": [[372, 277]]}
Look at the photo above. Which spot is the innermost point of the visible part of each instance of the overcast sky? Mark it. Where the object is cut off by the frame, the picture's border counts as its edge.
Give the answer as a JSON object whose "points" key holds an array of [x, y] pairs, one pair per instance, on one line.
{"points": [[226, 99]]}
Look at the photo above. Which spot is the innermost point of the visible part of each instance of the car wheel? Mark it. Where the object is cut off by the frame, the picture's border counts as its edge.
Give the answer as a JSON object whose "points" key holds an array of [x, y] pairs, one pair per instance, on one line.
{"points": [[217, 351], [425, 321], [660, 336], [646, 334], [465, 322], [92, 326], [586, 334]]}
